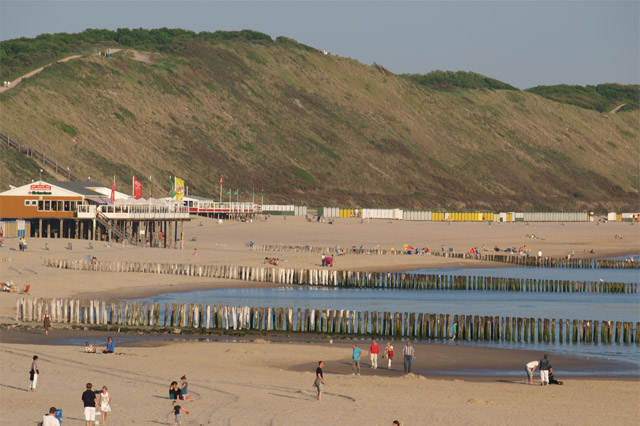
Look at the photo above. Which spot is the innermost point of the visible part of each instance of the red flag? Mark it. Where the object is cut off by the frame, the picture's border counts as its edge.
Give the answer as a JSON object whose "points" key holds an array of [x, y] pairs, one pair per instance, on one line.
{"points": [[137, 188], [220, 179], [113, 190]]}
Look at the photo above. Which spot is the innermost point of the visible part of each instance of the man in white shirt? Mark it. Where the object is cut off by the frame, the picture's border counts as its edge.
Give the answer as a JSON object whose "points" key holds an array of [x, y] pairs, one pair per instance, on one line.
{"points": [[409, 356], [50, 419], [530, 368]]}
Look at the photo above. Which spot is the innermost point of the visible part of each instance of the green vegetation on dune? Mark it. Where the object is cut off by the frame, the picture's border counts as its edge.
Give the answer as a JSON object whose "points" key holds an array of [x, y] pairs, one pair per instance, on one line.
{"points": [[602, 98], [319, 130], [23, 54], [445, 80]]}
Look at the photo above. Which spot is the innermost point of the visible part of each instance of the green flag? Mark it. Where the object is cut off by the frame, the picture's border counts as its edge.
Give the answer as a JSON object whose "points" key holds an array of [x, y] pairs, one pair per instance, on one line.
{"points": [[228, 192], [235, 192], [172, 191]]}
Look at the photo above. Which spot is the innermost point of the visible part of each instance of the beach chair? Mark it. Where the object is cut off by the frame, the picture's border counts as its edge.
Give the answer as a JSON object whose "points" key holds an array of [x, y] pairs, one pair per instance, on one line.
{"points": [[26, 289]]}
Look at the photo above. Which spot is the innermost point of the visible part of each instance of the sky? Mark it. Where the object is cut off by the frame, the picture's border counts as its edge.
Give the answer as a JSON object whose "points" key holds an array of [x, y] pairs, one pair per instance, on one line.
{"points": [[523, 43]]}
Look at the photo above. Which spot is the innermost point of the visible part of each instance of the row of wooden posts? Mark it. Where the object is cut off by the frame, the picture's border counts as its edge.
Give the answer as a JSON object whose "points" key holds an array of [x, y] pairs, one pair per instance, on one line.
{"points": [[348, 279], [335, 322], [514, 259]]}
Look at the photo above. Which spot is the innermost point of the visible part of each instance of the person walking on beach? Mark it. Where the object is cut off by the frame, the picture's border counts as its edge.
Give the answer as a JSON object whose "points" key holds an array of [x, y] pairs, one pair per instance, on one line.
{"points": [[105, 403], [544, 366], [356, 360], [89, 402], [176, 411], [374, 353], [319, 382], [530, 367], [50, 419], [388, 353], [454, 331], [46, 322], [409, 356], [33, 374]]}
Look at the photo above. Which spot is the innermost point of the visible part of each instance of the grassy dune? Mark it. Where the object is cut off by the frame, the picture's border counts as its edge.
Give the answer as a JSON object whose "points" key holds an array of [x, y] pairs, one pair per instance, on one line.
{"points": [[320, 130]]}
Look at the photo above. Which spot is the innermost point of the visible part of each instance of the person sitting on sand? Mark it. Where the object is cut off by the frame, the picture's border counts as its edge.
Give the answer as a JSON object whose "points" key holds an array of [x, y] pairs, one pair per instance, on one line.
{"points": [[184, 388], [88, 348], [110, 347], [174, 391], [552, 379]]}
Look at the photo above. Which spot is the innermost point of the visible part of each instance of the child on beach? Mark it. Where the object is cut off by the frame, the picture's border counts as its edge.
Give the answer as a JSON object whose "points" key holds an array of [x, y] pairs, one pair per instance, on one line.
{"points": [[88, 348], [454, 331], [176, 411], [184, 387], [388, 353], [175, 392], [105, 406]]}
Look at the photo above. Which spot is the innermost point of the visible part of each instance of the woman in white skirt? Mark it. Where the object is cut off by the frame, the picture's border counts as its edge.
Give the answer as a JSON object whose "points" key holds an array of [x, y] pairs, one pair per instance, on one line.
{"points": [[105, 407]]}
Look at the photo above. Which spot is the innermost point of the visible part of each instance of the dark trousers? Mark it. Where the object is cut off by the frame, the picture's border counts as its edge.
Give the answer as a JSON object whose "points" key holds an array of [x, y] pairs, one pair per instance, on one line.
{"points": [[407, 363]]}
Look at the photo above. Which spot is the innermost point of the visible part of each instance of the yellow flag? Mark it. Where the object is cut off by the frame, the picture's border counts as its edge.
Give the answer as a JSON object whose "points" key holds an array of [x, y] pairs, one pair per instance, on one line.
{"points": [[179, 189]]}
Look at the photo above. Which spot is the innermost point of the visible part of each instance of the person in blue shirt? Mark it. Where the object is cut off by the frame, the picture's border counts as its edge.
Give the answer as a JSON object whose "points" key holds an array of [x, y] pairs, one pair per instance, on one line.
{"points": [[356, 359], [110, 347]]}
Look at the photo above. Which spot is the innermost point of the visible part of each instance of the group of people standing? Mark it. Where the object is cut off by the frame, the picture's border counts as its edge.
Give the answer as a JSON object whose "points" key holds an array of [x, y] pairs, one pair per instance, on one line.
{"points": [[91, 399], [546, 371], [374, 353]]}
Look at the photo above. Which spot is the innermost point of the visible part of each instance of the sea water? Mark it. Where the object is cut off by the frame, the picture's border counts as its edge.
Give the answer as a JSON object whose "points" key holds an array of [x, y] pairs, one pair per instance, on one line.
{"points": [[580, 306]]}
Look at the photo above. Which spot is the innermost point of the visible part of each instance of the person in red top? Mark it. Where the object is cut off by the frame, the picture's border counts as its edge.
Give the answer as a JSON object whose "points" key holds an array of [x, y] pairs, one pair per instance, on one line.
{"points": [[374, 352]]}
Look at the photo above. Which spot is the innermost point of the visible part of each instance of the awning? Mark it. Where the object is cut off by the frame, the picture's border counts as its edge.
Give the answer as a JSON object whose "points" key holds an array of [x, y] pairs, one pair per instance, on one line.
{"points": [[98, 200]]}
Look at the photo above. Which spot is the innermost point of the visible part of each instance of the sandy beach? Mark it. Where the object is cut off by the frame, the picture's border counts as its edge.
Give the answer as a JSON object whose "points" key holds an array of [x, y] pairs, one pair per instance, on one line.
{"points": [[252, 382]]}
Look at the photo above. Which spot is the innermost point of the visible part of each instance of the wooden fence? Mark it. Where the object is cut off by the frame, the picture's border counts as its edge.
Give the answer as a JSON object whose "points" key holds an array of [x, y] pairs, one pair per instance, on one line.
{"points": [[513, 259], [335, 322], [349, 279], [38, 155]]}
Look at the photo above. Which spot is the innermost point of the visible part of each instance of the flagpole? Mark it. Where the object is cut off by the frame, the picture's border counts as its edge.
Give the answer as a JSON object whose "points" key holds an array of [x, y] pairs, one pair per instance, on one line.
{"points": [[133, 186], [220, 188]]}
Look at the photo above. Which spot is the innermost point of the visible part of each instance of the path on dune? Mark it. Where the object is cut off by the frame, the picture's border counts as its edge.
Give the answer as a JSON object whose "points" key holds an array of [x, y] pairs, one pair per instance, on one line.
{"points": [[36, 71]]}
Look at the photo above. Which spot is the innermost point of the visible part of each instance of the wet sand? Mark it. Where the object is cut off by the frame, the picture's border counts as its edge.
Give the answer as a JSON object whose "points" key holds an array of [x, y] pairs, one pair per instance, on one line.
{"points": [[251, 381]]}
